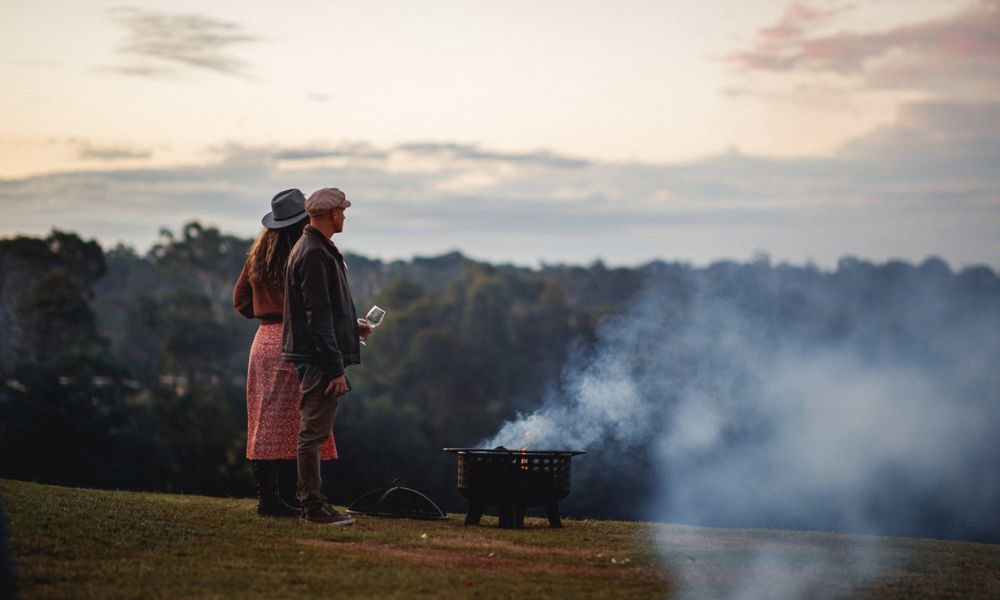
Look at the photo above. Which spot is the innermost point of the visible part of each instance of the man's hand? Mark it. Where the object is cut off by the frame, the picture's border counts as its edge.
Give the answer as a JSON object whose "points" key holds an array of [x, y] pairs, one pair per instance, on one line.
{"points": [[337, 387], [364, 329]]}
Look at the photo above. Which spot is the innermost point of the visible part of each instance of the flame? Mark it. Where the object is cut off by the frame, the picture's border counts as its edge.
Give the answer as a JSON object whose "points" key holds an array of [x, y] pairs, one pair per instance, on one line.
{"points": [[524, 458]]}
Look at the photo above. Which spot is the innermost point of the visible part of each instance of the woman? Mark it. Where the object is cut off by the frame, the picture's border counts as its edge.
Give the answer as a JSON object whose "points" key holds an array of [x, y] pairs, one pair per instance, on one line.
{"points": [[272, 385]]}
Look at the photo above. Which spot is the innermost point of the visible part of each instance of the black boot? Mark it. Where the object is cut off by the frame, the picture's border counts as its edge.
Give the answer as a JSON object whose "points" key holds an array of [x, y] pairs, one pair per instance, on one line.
{"points": [[288, 483], [269, 504]]}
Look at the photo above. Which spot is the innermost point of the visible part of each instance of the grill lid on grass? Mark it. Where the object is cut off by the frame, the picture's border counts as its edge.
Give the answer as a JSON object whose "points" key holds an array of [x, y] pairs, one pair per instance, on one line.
{"points": [[397, 501]]}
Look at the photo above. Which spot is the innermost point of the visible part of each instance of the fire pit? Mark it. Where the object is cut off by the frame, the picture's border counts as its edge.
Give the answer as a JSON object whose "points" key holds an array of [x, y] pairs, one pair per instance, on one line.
{"points": [[513, 480]]}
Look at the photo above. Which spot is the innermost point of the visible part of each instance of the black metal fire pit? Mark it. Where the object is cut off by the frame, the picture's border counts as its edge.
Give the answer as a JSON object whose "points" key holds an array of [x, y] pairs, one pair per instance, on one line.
{"points": [[513, 480]]}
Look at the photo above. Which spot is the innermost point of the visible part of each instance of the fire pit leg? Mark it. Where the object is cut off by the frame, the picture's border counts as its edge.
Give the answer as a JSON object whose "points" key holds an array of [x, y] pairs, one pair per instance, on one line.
{"points": [[476, 510], [509, 513], [552, 511]]}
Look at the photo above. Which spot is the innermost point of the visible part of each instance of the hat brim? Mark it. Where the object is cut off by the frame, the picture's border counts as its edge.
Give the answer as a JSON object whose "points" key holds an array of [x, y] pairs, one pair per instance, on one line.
{"points": [[271, 223]]}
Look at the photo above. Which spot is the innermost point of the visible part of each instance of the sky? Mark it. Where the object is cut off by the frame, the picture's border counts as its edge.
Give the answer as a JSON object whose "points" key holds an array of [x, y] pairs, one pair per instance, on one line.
{"points": [[523, 132]]}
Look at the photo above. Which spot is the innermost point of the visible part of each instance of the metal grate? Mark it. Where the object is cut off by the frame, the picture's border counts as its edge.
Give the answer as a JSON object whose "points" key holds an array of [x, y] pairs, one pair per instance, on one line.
{"points": [[512, 480]]}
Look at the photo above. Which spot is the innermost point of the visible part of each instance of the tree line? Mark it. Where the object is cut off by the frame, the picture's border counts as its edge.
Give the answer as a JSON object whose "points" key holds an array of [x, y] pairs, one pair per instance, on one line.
{"points": [[126, 370]]}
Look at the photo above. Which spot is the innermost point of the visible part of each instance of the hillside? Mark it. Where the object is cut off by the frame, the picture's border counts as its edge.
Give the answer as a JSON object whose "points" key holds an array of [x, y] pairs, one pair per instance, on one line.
{"points": [[70, 542]]}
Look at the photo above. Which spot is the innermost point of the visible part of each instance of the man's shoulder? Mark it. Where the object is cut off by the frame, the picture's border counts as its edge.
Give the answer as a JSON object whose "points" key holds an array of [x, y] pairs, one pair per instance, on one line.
{"points": [[308, 244], [308, 251]]}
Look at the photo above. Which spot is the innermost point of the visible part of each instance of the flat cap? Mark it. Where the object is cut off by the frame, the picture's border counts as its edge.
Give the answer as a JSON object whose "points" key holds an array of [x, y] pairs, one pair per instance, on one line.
{"points": [[325, 200]]}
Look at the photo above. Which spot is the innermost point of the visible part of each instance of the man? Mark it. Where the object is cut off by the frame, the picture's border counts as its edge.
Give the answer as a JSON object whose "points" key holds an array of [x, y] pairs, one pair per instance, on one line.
{"points": [[321, 336]]}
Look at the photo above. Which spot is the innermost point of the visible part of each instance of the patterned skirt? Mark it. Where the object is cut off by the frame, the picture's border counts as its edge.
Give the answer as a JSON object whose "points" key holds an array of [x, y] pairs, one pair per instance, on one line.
{"points": [[273, 399]]}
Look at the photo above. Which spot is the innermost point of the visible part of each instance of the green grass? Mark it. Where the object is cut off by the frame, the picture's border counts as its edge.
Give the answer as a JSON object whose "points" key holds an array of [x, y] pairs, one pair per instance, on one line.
{"points": [[88, 543]]}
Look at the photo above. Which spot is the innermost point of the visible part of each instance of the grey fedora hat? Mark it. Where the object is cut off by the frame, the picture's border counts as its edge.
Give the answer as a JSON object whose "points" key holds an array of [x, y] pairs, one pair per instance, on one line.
{"points": [[287, 208]]}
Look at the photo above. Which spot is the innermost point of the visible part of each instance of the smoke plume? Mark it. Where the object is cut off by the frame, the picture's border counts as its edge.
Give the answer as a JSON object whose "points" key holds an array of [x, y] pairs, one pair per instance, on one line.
{"points": [[865, 400]]}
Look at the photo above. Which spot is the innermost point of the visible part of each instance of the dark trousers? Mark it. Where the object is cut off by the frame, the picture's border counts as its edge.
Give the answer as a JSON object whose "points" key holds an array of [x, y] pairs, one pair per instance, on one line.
{"points": [[318, 412]]}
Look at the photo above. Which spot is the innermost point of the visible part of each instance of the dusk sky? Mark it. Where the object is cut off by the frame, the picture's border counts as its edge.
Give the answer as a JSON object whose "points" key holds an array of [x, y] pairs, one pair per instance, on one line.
{"points": [[523, 132]]}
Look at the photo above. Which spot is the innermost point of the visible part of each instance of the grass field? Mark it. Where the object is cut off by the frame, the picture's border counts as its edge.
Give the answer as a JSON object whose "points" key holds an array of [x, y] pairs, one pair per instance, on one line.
{"points": [[89, 543]]}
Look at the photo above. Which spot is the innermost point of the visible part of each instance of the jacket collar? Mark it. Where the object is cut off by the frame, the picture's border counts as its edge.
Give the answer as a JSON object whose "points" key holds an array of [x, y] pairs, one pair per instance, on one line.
{"points": [[310, 230], [319, 234]]}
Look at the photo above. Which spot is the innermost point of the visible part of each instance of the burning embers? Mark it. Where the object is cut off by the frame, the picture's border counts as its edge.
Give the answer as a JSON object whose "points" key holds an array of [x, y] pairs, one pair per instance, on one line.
{"points": [[513, 480]]}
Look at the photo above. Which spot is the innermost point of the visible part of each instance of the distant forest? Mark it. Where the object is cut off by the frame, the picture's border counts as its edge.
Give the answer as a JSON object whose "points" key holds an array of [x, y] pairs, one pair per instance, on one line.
{"points": [[127, 371]]}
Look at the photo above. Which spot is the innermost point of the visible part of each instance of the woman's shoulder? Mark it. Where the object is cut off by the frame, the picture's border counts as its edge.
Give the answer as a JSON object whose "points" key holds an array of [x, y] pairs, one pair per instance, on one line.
{"points": [[244, 277]]}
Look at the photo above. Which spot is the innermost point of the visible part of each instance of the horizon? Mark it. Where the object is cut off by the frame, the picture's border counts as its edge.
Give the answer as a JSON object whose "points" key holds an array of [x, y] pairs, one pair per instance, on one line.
{"points": [[755, 259]]}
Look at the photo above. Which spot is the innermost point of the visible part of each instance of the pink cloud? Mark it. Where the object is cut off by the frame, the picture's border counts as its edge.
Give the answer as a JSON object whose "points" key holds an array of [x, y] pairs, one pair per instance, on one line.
{"points": [[916, 56], [796, 19]]}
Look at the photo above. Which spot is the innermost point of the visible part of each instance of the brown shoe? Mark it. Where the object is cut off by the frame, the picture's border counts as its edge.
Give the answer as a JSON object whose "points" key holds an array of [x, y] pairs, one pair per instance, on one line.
{"points": [[327, 515]]}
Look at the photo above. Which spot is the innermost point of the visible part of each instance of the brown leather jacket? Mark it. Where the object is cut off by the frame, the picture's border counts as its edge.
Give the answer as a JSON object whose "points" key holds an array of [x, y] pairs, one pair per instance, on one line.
{"points": [[320, 322]]}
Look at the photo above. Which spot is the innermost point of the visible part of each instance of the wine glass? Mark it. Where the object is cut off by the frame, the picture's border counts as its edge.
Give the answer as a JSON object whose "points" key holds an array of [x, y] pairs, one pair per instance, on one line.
{"points": [[372, 319]]}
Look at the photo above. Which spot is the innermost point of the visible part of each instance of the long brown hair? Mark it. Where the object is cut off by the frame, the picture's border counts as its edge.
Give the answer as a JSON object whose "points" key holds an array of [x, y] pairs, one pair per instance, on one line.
{"points": [[269, 253]]}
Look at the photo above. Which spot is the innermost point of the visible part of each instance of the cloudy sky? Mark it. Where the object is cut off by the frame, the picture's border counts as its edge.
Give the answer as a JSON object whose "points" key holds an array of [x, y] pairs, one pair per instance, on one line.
{"points": [[557, 131]]}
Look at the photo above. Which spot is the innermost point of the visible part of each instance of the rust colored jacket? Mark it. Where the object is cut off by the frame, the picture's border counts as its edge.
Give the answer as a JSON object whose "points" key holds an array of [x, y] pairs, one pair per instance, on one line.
{"points": [[258, 301]]}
